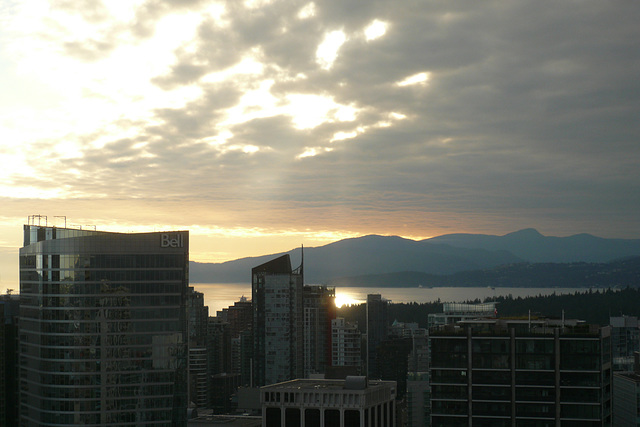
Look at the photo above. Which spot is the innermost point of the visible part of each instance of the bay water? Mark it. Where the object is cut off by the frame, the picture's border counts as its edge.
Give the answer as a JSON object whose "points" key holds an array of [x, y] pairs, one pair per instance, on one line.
{"points": [[222, 295]]}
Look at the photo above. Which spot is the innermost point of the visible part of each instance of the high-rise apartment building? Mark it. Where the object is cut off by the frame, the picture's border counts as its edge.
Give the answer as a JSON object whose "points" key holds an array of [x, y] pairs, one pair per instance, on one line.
{"points": [[345, 343], [103, 327], [239, 316], [197, 318], [319, 310], [277, 321], [518, 372]]}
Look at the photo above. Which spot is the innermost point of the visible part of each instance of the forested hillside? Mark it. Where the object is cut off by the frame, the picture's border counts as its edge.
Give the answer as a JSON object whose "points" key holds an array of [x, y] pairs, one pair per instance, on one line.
{"points": [[591, 306]]}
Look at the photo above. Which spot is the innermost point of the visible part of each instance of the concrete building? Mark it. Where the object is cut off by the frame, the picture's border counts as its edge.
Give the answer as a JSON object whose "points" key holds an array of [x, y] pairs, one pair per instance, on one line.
{"points": [[519, 372], [103, 327], [209, 420], [278, 328], [353, 402]]}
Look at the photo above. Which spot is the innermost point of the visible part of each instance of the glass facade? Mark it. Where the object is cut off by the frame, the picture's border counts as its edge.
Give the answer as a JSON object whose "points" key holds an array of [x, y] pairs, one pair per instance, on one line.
{"points": [[103, 328]]}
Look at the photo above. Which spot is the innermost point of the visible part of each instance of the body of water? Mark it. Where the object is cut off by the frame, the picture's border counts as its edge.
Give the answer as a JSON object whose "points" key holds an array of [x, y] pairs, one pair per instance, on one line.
{"points": [[222, 295]]}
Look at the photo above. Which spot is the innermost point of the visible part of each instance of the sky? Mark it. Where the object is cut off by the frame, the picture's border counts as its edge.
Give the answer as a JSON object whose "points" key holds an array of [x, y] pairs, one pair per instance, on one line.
{"points": [[261, 125]]}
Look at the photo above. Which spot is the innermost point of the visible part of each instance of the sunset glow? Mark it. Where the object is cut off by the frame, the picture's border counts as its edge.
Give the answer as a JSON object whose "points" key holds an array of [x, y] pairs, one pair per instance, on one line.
{"points": [[346, 299], [261, 125]]}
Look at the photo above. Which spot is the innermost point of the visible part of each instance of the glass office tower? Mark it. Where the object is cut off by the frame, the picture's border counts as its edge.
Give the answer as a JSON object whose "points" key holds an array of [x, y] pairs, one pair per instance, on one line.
{"points": [[103, 337]]}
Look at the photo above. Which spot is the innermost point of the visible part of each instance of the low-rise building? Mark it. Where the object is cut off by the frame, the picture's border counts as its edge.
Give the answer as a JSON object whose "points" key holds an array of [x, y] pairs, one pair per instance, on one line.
{"points": [[353, 402], [453, 312]]}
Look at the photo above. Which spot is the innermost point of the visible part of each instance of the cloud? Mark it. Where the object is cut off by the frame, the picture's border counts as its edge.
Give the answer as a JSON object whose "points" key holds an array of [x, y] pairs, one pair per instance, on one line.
{"points": [[417, 115]]}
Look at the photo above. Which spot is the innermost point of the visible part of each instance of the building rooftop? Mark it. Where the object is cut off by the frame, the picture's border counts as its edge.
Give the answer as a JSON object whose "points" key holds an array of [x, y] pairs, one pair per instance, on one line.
{"points": [[209, 420], [522, 326], [280, 265], [351, 383], [633, 376]]}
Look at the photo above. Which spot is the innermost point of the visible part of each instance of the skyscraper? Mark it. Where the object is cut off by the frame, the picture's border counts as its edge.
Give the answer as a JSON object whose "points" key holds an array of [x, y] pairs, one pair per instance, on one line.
{"points": [[345, 343], [277, 321], [377, 331], [197, 318], [103, 328], [319, 311]]}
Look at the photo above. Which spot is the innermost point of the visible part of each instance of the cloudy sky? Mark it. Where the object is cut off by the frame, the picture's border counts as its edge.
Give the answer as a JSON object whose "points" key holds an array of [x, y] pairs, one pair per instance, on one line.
{"points": [[261, 125]]}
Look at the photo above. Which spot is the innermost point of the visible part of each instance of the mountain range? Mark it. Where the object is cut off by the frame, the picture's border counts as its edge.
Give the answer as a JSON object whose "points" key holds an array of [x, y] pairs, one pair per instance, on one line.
{"points": [[393, 258]]}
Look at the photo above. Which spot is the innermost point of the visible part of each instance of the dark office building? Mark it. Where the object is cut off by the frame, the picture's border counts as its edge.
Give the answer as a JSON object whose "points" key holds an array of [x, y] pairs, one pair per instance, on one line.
{"points": [[218, 346], [377, 331], [103, 327], [277, 321], [625, 341], [223, 387], [507, 373], [9, 309], [239, 317], [393, 362]]}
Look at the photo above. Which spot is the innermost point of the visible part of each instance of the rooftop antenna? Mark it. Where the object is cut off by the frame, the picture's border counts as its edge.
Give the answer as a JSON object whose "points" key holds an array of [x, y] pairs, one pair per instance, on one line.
{"points": [[62, 216], [31, 219]]}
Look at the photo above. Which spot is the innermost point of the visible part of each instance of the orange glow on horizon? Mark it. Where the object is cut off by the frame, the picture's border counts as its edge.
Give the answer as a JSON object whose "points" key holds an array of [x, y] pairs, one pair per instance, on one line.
{"points": [[346, 299]]}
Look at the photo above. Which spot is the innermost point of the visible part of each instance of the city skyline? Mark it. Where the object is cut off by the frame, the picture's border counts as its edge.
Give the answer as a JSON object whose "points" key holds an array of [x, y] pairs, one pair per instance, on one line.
{"points": [[261, 125]]}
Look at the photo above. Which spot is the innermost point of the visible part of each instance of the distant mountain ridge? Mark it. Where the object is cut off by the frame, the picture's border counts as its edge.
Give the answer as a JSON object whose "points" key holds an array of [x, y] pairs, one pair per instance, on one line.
{"points": [[363, 255], [443, 255], [530, 245], [615, 274]]}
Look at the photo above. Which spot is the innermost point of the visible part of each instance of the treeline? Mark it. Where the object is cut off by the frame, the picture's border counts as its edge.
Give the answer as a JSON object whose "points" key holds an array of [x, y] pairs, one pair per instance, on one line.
{"points": [[593, 306]]}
